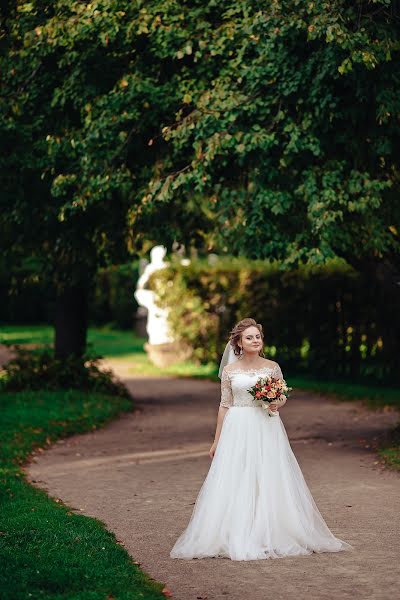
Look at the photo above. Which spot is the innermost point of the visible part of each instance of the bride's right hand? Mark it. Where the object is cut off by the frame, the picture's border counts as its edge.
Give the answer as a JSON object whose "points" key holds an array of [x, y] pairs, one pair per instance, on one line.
{"points": [[212, 450]]}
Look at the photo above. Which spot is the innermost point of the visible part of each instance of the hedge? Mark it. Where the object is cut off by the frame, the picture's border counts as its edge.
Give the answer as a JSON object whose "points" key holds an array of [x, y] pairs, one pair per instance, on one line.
{"points": [[326, 320]]}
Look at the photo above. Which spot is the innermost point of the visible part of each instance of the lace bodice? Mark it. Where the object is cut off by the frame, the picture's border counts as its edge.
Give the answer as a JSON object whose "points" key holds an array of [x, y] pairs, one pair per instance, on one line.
{"points": [[236, 382]]}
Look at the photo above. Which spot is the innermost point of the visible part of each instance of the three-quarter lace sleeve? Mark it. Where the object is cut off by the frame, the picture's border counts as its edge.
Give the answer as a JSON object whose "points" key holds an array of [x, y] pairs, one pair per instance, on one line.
{"points": [[226, 390], [280, 376]]}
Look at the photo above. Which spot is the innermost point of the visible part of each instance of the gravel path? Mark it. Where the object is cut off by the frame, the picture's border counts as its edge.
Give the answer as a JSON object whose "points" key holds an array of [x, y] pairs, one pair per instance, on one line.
{"points": [[141, 474]]}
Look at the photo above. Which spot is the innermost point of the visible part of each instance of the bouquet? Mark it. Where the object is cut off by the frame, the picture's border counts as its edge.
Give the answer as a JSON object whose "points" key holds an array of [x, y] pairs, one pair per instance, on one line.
{"points": [[270, 389]]}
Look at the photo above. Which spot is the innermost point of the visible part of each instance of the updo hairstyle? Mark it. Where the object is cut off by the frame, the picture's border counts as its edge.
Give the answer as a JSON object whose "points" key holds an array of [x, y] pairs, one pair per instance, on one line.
{"points": [[237, 331]]}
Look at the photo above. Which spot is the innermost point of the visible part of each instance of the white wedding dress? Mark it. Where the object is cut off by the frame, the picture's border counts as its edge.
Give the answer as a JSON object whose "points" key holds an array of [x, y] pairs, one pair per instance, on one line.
{"points": [[254, 503]]}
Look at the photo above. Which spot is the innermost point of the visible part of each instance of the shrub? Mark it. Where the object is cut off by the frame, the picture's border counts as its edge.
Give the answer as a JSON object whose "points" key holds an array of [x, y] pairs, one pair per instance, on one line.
{"points": [[41, 371]]}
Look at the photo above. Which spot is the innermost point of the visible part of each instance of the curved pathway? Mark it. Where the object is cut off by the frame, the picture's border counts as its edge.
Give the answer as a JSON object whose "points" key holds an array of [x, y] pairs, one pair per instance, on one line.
{"points": [[141, 474]]}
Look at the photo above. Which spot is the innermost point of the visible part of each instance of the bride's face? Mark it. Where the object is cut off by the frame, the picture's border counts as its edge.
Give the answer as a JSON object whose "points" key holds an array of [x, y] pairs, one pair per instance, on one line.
{"points": [[251, 341]]}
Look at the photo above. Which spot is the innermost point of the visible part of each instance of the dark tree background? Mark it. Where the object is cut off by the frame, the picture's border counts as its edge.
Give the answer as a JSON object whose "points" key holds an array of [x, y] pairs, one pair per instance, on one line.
{"points": [[262, 130]]}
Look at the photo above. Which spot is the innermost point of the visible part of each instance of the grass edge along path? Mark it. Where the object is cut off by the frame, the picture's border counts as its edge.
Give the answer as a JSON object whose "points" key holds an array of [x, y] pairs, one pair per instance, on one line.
{"points": [[47, 551]]}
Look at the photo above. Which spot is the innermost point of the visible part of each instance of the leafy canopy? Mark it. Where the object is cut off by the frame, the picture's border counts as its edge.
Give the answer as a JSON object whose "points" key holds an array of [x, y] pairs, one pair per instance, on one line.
{"points": [[269, 130]]}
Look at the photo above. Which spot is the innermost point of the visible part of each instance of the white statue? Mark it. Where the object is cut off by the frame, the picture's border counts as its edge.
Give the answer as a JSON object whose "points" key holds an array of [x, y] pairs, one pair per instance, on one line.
{"points": [[157, 324]]}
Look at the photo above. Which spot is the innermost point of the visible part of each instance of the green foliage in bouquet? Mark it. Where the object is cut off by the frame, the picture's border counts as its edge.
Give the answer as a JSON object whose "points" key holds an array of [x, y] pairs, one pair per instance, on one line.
{"points": [[41, 371]]}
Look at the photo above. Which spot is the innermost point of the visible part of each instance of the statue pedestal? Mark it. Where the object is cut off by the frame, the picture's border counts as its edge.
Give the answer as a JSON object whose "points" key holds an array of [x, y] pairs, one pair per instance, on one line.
{"points": [[165, 355]]}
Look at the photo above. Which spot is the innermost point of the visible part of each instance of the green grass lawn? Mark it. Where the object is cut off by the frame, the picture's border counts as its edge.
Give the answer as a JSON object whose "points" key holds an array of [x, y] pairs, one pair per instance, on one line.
{"points": [[113, 344], [105, 341], [26, 334], [46, 550], [373, 396]]}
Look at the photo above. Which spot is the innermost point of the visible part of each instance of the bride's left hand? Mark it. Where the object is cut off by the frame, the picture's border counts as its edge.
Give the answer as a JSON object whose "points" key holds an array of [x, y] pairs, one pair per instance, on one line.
{"points": [[275, 405]]}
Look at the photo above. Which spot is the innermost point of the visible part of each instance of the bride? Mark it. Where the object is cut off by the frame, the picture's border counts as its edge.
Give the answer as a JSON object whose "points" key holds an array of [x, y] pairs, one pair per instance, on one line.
{"points": [[254, 503]]}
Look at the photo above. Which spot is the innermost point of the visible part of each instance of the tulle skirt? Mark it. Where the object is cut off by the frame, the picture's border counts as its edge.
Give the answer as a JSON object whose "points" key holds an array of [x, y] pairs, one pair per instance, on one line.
{"points": [[254, 503]]}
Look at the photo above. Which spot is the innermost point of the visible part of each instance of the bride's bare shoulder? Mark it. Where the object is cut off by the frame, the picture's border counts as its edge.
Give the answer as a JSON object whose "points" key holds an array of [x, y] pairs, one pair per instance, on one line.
{"points": [[231, 366], [270, 363], [265, 362]]}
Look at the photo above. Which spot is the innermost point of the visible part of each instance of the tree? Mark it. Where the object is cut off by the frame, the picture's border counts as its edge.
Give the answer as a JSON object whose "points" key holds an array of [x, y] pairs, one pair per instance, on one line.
{"points": [[266, 131], [296, 142], [85, 92]]}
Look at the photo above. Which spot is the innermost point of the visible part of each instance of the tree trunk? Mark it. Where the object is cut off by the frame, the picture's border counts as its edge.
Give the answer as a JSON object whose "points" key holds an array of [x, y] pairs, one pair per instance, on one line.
{"points": [[71, 320]]}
